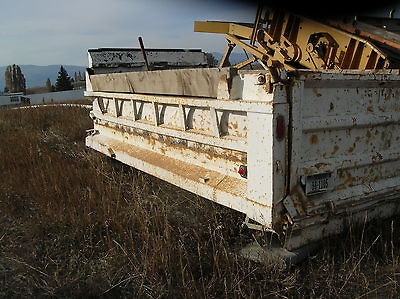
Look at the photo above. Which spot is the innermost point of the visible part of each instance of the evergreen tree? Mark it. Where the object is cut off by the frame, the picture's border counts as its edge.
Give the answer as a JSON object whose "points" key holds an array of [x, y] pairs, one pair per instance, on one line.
{"points": [[49, 86], [211, 60], [63, 82]]}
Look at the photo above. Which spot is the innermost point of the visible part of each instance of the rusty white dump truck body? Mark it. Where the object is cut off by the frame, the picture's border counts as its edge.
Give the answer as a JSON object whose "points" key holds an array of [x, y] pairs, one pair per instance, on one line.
{"points": [[303, 157]]}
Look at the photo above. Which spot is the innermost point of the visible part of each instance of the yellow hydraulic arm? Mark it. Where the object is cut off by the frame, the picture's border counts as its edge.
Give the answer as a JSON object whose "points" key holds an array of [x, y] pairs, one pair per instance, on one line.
{"points": [[281, 38]]}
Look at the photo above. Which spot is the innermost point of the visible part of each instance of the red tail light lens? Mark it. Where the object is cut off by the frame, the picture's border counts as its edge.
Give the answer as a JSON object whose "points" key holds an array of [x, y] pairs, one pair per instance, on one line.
{"points": [[280, 127], [243, 171]]}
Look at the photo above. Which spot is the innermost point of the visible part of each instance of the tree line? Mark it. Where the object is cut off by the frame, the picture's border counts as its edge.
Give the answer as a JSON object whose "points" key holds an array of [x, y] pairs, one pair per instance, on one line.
{"points": [[15, 80]]}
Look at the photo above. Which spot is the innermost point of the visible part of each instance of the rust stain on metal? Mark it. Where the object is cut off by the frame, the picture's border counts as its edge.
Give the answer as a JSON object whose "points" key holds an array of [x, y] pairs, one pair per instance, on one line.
{"points": [[314, 139], [335, 149], [172, 143], [268, 86], [377, 157], [316, 92], [352, 148], [368, 135], [300, 200], [308, 170], [321, 165], [233, 126], [347, 179]]}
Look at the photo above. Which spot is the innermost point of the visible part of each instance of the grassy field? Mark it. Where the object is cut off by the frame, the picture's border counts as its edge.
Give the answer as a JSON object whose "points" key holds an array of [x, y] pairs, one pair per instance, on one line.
{"points": [[75, 224]]}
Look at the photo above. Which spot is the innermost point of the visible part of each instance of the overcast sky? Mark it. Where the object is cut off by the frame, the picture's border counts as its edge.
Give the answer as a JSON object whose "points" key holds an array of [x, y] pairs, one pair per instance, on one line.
{"points": [[45, 32]]}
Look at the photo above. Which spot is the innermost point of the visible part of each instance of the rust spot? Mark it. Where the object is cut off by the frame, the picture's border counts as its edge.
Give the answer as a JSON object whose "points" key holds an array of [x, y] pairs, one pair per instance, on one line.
{"points": [[331, 107], [268, 86], [320, 165], [316, 93], [352, 148], [300, 201], [307, 171], [370, 109], [335, 149], [348, 179], [369, 135], [340, 187], [314, 139], [377, 158]]}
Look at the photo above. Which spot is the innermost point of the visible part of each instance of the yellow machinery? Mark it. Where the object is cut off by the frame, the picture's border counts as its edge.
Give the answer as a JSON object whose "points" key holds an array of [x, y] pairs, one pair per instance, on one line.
{"points": [[282, 39]]}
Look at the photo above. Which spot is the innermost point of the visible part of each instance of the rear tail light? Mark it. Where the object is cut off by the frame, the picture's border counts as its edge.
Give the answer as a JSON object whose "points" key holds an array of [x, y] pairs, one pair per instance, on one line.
{"points": [[243, 171], [280, 127]]}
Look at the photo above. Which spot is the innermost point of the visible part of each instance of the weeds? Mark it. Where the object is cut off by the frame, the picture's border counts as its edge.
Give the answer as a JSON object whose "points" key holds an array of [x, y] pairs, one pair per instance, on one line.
{"points": [[77, 224]]}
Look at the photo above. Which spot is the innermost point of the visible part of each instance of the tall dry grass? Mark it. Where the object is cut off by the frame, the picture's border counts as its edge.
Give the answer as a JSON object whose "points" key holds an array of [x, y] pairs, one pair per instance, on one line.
{"points": [[74, 223]]}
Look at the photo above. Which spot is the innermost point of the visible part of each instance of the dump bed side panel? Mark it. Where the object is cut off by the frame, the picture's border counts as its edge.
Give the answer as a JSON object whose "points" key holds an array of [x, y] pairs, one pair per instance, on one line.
{"points": [[205, 130], [185, 82]]}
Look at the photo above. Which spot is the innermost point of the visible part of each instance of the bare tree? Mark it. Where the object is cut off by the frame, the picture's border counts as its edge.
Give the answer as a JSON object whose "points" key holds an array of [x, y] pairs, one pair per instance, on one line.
{"points": [[15, 80]]}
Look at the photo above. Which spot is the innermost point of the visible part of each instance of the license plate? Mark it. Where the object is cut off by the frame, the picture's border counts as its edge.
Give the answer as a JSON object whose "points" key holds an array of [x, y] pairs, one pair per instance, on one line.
{"points": [[318, 183]]}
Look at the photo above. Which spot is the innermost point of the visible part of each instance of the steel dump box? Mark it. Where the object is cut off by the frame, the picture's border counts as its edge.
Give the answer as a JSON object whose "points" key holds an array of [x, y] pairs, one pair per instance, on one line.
{"points": [[303, 157]]}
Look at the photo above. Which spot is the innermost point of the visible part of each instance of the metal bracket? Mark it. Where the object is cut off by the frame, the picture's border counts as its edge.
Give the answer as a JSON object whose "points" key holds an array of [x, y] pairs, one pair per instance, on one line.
{"points": [[290, 207], [258, 227]]}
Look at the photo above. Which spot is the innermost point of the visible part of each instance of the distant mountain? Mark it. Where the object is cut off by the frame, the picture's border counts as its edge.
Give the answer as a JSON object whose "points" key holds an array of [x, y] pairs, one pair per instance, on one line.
{"points": [[36, 75]]}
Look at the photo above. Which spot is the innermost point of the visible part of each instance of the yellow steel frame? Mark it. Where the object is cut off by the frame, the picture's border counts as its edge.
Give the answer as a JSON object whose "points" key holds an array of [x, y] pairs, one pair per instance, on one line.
{"points": [[296, 42]]}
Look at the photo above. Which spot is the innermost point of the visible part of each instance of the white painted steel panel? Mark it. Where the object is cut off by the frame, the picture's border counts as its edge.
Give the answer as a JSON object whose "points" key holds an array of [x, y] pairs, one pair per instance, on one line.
{"points": [[345, 124], [338, 125]]}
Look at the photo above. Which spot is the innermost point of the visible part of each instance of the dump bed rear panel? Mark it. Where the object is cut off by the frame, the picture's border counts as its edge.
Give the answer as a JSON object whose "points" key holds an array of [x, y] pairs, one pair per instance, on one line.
{"points": [[345, 151]]}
